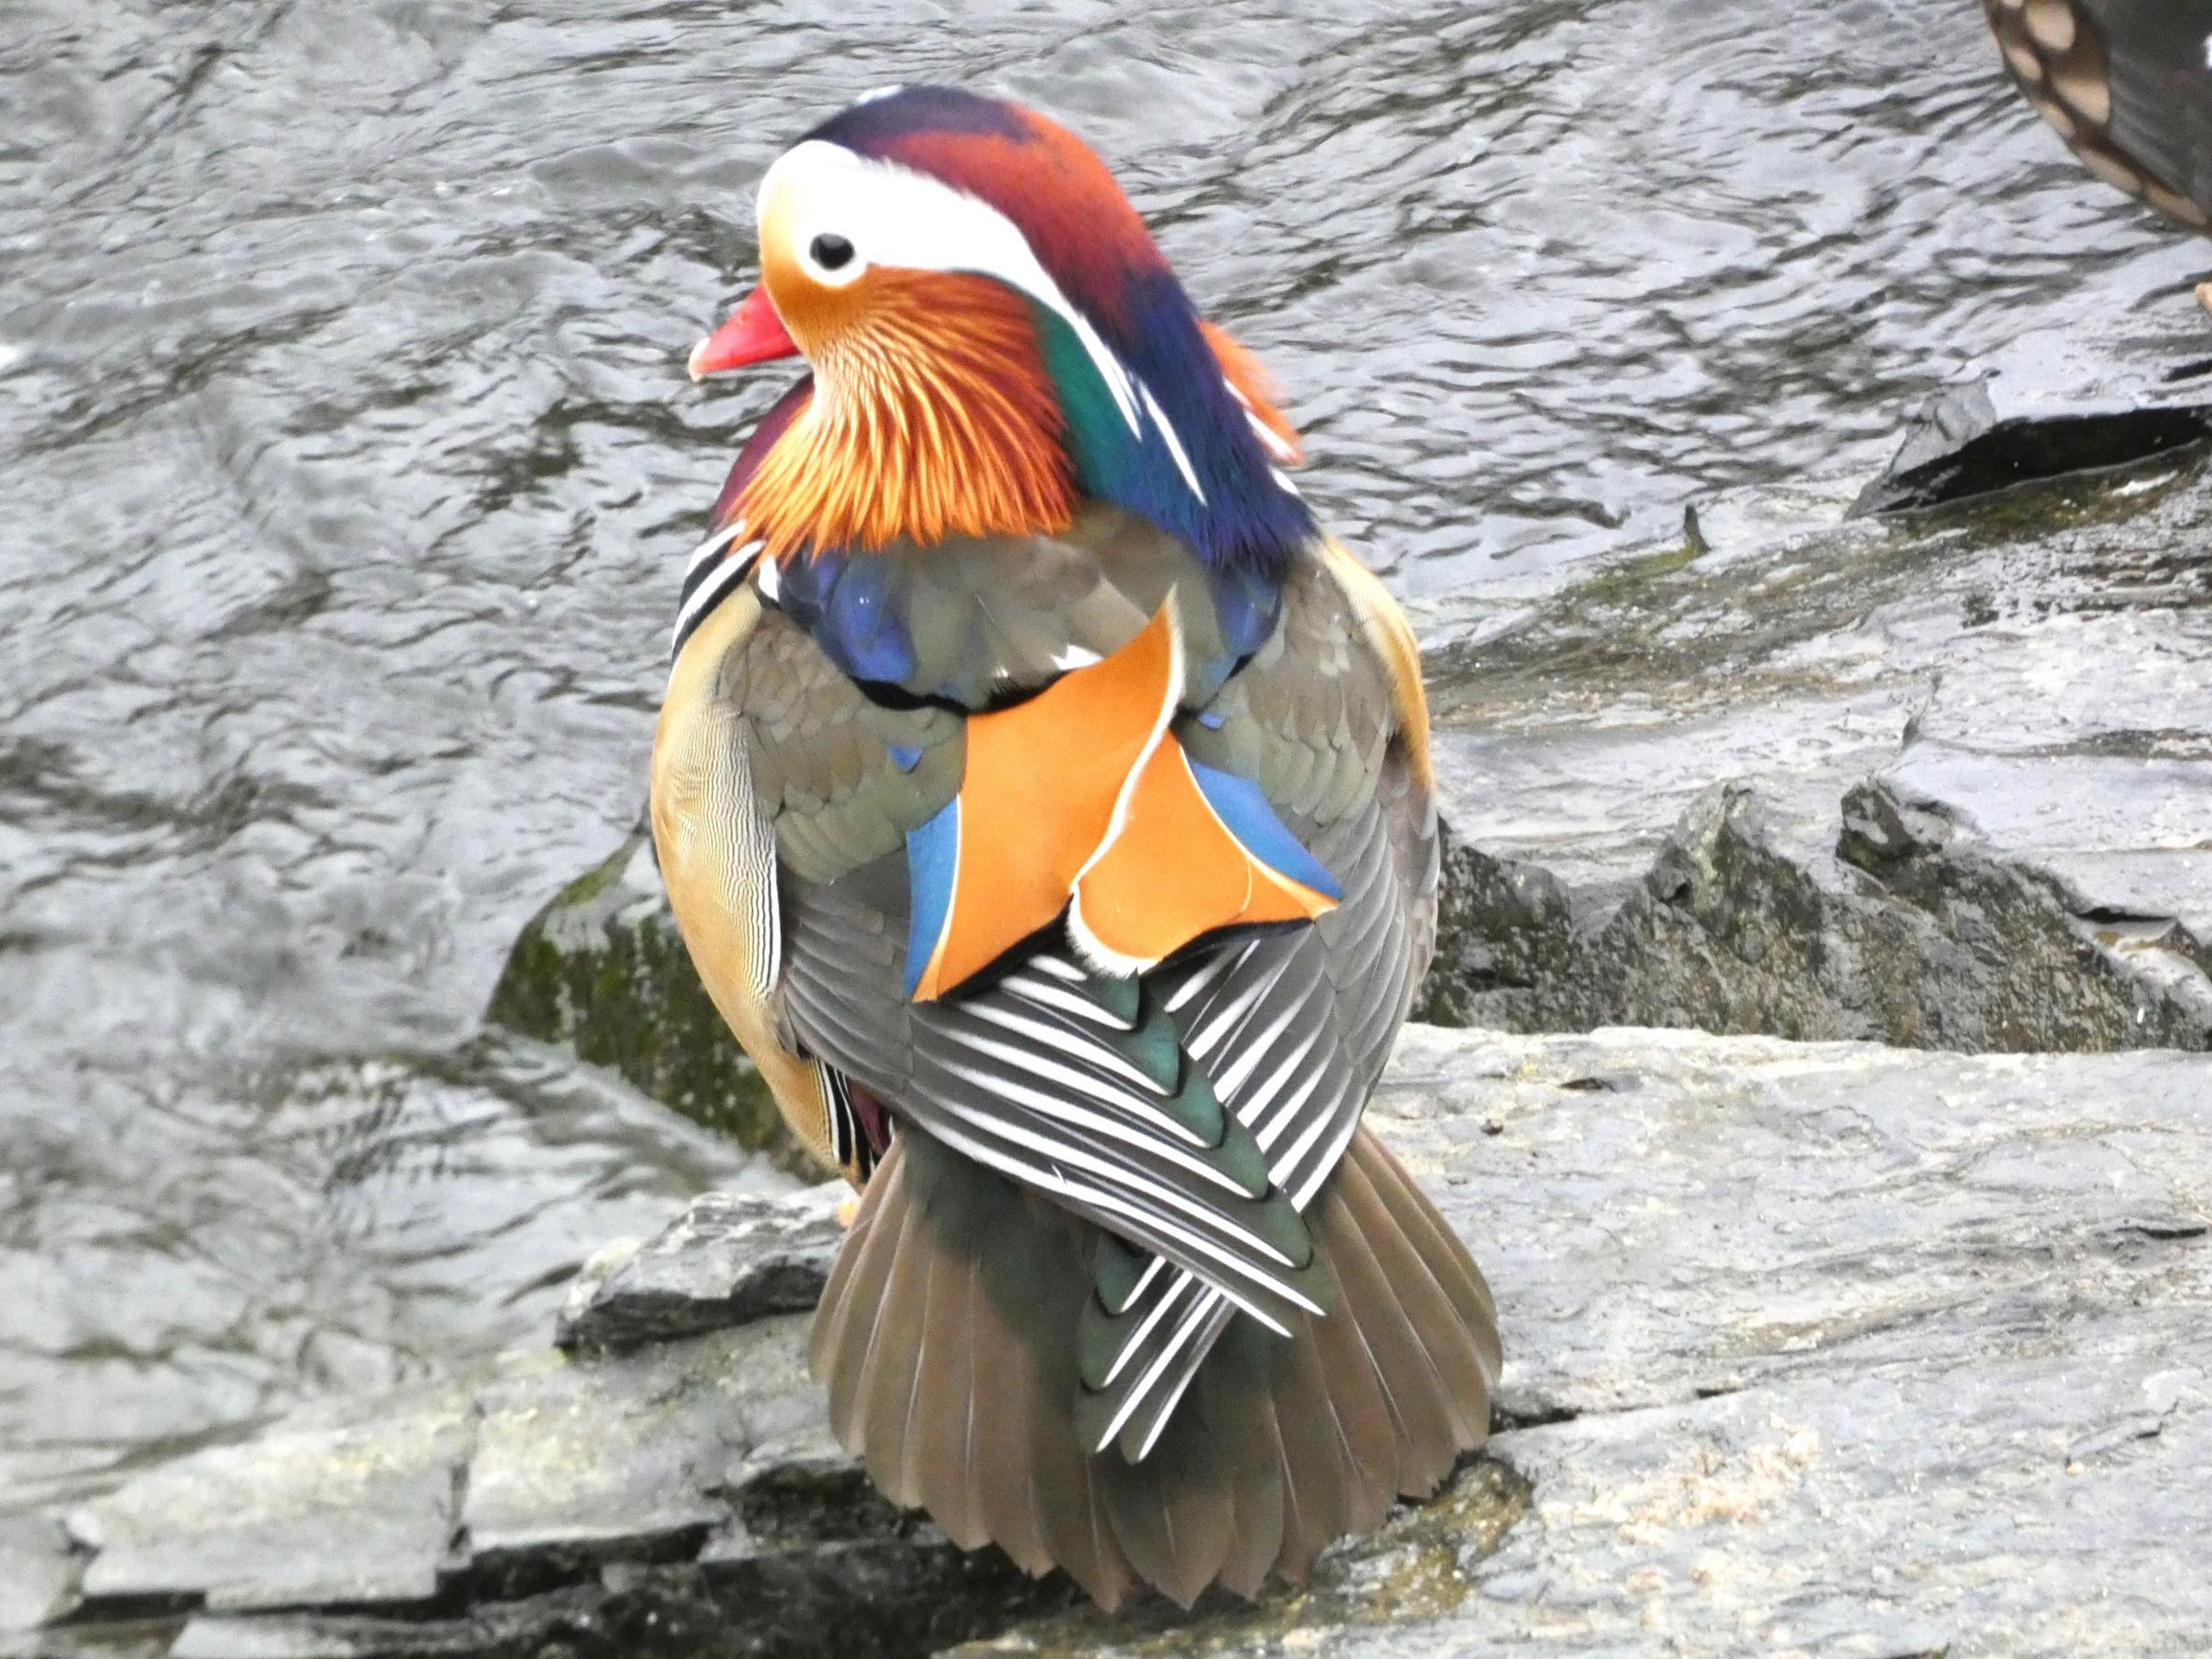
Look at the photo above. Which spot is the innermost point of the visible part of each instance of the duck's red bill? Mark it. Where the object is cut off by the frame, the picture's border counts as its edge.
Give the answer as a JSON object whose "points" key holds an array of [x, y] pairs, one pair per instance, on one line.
{"points": [[753, 335]]}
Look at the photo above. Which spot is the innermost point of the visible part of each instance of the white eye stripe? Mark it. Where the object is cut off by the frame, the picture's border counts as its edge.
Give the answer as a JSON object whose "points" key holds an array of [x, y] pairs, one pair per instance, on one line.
{"points": [[892, 215]]}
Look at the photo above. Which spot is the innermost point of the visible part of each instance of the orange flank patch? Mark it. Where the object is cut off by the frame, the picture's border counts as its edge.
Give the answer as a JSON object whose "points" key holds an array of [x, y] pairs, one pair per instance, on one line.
{"points": [[1038, 798], [1174, 871]]}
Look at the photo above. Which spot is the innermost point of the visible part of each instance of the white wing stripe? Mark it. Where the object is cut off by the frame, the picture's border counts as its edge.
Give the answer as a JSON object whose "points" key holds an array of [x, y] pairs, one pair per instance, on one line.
{"points": [[1271, 1115], [1248, 1058], [1216, 1026], [1200, 1312], [1048, 995], [1153, 1269], [1098, 1089], [1204, 980], [1051, 1179], [711, 592], [711, 546], [1098, 1057], [1160, 1311], [1054, 1111], [1209, 1316], [1303, 1144]]}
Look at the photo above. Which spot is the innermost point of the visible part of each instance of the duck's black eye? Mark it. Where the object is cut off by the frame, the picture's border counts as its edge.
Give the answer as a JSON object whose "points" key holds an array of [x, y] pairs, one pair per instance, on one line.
{"points": [[830, 252]]}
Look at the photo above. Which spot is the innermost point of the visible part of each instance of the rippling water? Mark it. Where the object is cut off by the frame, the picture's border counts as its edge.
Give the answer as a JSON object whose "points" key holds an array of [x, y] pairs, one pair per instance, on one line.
{"points": [[347, 452]]}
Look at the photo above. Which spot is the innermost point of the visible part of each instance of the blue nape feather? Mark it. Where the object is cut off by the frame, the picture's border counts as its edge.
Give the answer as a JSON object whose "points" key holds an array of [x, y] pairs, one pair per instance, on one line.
{"points": [[1244, 517]]}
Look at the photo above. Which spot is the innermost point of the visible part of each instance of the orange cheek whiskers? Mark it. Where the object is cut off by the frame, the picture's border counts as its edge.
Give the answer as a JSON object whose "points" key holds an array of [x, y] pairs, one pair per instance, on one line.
{"points": [[934, 417]]}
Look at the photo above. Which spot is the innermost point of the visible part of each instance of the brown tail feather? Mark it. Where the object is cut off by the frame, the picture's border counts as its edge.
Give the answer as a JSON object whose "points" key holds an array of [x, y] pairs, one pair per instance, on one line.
{"points": [[1446, 1347], [1421, 1423], [961, 1399], [945, 1439], [851, 1300], [1443, 1253], [1252, 1454], [1174, 1515]]}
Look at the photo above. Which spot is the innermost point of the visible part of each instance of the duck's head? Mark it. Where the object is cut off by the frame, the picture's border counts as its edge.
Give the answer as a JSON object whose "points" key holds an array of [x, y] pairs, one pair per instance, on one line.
{"points": [[994, 336]]}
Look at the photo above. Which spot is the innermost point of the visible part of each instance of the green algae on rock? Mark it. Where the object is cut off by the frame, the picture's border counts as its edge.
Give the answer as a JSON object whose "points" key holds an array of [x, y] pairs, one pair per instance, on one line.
{"points": [[603, 969]]}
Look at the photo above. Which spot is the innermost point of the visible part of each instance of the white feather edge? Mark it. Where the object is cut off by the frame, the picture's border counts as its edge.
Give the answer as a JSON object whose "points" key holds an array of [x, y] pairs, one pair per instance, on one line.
{"points": [[1096, 954], [713, 545], [713, 589], [1174, 440], [1208, 1312]]}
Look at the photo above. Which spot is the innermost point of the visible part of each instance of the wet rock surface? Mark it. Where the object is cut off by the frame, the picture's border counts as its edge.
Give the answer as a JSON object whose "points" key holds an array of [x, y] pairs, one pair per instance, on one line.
{"points": [[1939, 779], [727, 1260], [1828, 1348], [2113, 394], [1878, 1332], [39, 1569]]}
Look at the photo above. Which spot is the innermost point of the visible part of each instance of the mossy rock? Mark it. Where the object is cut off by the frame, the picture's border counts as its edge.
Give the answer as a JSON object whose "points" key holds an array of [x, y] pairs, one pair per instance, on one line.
{"points": [[603, 969]]}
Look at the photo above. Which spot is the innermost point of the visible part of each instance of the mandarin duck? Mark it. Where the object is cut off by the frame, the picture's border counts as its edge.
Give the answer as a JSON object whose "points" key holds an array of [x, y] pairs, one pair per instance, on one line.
{"points": [[2128, 85], [1046, 803]]}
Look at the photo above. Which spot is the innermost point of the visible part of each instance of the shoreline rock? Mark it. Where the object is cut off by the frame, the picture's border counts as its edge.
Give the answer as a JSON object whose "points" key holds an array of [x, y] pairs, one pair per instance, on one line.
{"points": [[1820, 1347], [727, 1260], [1813, 1345], [1936, 780], [603, 971]]}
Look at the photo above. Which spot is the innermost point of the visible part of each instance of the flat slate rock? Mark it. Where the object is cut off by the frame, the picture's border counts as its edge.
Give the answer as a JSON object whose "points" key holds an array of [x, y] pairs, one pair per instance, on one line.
{"points": [[2113, 392], [1814, 1350], [729, 1259], [1827, 1348], [39, 1569], [629, 1453], [312, 1511]]}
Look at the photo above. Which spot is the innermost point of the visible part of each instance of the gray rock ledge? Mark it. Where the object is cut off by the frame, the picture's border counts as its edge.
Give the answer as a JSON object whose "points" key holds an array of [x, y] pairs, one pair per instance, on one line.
{"points": [[1823, 1347], [1941, 779], [729, 1259]]}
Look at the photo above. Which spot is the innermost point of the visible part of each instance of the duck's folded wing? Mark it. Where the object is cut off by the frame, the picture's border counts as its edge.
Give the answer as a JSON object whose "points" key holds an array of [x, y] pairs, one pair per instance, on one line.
{"points": [[1328, 724], [1192, 1108], [1071, 1084]]}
